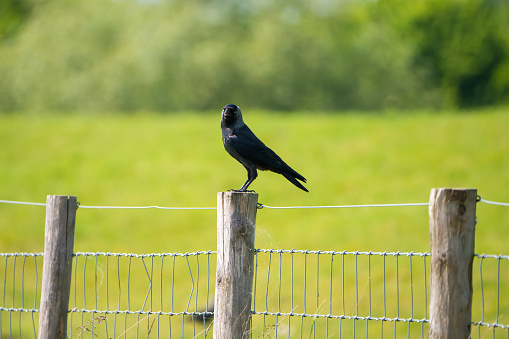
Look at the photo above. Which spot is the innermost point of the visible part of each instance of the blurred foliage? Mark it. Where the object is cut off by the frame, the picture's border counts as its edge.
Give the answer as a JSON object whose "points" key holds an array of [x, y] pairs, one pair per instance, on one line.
{"points": [[13, 13], [465, 45], [128, 55]]}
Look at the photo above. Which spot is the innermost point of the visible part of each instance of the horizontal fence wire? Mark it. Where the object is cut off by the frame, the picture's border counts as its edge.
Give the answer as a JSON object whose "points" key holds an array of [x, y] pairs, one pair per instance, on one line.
{"points": [[121, 295], [296, 294], [345, 294], [19, 311], [260, 206]]}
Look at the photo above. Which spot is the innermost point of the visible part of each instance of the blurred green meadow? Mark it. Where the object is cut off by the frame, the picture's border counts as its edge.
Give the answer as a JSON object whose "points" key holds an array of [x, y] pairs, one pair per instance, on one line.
{"points": [[178, 160]]}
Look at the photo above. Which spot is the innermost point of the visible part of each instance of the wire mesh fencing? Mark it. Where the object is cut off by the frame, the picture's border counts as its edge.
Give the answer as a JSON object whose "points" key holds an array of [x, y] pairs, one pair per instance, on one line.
{"points": [[324, 294], [296, 294], [19, 313], [116, 295], [124, 295], [327, 294]]}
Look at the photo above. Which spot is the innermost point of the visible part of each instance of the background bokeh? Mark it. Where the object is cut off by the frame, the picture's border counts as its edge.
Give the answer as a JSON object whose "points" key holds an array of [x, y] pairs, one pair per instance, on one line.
{"points": [[128, 55]]}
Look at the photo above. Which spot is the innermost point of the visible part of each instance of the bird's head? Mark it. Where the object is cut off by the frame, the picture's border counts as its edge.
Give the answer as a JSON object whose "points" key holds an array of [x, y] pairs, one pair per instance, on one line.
{"points": [[231, 116]]}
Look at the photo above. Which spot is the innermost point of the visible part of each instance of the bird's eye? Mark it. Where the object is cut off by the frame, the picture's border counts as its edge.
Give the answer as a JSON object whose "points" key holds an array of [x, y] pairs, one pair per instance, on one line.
{"points": [[230, 110]]}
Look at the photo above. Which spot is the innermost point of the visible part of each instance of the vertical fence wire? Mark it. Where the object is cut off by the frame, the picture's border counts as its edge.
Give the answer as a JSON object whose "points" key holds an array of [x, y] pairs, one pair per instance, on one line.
{"points": [[20, 299], [384, 287], [304, 294]]}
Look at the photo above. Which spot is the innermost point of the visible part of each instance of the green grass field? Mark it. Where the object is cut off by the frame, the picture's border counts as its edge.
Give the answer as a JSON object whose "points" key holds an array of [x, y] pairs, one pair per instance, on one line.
{"points": [[178, 160]]}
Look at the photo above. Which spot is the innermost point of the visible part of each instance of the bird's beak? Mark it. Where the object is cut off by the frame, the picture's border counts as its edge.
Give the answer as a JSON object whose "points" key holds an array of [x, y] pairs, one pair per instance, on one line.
{"points": [[227, 114]]}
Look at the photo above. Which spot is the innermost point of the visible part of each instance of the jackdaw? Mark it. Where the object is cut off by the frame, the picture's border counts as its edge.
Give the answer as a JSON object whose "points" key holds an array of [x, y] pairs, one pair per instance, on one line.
{"points": [[244, 146]]}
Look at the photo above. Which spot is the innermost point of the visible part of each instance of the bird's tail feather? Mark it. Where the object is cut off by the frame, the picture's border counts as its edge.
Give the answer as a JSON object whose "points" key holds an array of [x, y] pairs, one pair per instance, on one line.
{"points": [[290, 171], [294, 181]]}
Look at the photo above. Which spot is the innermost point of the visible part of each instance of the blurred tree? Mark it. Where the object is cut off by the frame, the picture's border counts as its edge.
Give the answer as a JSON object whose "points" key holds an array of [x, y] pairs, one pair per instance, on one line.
{"points": [[96, 55], [465, 46], [13, 13]]}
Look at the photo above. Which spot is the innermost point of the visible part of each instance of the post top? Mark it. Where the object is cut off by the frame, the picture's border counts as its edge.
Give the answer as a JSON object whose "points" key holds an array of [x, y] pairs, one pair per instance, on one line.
{"points": [[237, 192]]}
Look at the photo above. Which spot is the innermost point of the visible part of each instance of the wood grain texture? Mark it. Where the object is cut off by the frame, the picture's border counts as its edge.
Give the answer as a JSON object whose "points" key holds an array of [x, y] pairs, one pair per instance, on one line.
{"points": [[56, 272], [452, 235], [236, 224]]}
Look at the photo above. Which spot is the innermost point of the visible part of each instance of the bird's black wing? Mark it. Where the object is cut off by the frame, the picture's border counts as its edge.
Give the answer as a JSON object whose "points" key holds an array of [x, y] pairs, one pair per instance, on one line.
{"points": [[254, 150]]}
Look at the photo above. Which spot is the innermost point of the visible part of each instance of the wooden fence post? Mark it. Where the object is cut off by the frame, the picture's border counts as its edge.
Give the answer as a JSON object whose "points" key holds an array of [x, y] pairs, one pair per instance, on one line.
{"points": [[56, 271], [236, 223], [452, 235]]}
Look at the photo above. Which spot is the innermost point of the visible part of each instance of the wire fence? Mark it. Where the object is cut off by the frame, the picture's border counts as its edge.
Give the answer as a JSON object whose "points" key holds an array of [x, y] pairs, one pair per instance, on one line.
{"points": [[296, 294]]}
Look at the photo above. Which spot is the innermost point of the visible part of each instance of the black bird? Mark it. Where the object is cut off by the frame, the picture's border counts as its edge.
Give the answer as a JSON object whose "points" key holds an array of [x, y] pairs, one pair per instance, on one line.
{"points": [[244, 146]]}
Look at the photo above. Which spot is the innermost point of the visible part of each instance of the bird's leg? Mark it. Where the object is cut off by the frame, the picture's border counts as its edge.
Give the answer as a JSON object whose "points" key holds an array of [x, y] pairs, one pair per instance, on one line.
{"points": [[251, 176]]}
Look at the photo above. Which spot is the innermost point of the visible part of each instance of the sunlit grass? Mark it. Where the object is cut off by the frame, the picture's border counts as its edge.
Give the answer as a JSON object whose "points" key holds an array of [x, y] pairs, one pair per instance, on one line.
{"points": [[178, 160]]}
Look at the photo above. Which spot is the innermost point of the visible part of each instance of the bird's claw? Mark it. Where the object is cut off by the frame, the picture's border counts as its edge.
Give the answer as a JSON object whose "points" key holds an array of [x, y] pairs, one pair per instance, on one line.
{"points": [[241, 191]]}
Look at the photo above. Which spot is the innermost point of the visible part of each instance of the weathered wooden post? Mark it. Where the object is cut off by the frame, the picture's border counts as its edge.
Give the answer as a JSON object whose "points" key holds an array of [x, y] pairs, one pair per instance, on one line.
{"points": [[236, 222], [452, 235], [56, 271]]}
